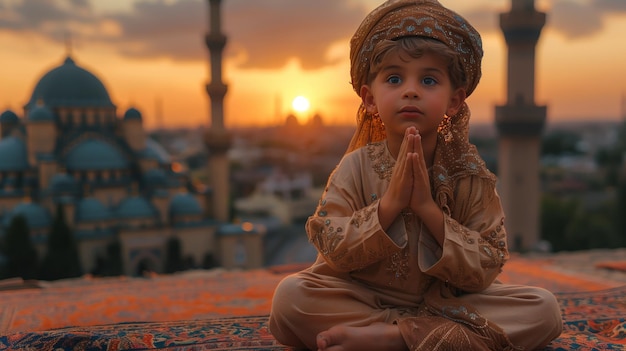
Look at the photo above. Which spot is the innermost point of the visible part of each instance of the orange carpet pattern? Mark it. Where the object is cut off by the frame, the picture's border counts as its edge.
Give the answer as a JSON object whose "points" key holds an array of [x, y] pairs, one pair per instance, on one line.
{"points": [[227, 310], [199, 295]]}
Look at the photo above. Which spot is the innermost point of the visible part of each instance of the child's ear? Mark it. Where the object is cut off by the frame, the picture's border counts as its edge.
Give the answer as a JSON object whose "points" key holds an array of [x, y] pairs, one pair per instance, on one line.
{"points": [[368, 99], [456, 101]]}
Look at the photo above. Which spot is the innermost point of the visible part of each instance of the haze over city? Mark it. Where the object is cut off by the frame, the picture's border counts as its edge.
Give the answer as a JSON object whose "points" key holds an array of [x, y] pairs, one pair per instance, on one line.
{"points": [[151, 55]]}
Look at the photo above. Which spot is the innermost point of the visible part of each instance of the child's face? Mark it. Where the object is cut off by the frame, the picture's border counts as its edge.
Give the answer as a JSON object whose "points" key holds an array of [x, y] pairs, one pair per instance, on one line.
{"points": [[412, 92]]}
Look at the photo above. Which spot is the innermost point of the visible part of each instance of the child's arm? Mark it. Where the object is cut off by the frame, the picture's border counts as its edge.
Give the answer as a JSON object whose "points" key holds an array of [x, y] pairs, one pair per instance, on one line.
{"points": [[475, 248], [346, 229]]}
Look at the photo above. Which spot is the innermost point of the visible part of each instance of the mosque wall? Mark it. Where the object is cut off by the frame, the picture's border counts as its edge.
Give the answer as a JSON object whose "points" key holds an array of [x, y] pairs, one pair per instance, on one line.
{"points": [[143, 247], [47, 169], [196, 241], [97, 165], [241, 251], [110, 196], [90, 250]]}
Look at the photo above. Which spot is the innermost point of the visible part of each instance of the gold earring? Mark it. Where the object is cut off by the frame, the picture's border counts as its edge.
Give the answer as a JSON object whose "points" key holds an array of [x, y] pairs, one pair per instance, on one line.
{"points": [[381, 124], [445, 129]]}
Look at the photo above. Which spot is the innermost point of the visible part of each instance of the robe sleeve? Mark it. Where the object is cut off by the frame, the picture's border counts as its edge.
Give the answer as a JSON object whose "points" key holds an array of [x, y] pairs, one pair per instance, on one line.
{"points": [[474, 249], [345, 228]]}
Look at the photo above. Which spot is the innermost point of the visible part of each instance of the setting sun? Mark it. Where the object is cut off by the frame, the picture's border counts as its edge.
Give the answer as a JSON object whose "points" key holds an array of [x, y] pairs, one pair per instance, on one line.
{"points": [[300, 104]]}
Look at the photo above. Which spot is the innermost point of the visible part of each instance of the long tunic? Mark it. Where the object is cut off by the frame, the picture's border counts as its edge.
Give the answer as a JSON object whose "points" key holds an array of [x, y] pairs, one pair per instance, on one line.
{"points": [[364, 273]]}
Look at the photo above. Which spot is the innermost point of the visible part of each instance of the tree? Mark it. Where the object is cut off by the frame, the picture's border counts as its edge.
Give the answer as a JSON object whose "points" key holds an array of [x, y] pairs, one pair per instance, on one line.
{"points": [[61, 259], [114, 263], [561, 143], [22, 258], [174, 258], [568, 226], [556, 214], [111, 263]]}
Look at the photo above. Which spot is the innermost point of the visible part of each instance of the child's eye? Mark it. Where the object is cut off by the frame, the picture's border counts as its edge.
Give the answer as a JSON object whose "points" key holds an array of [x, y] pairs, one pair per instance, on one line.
{"points": [[394, 80], [429, 81]]}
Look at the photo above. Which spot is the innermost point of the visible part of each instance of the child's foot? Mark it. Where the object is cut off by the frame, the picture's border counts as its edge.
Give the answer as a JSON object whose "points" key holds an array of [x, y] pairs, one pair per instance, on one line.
{"points": [[377, 336]]}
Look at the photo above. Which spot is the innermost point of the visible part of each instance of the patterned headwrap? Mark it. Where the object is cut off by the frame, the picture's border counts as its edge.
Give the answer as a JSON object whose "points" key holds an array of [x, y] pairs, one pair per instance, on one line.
{"points": [[426, 18]]}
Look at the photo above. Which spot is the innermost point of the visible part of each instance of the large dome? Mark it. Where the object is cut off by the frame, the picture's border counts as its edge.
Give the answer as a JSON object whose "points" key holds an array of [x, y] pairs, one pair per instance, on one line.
{"points": [[70, 86], [93, 154]]}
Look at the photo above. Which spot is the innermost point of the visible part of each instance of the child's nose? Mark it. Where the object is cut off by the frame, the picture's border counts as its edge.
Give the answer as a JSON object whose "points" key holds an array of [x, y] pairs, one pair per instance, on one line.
{"points": [[411, 91]]}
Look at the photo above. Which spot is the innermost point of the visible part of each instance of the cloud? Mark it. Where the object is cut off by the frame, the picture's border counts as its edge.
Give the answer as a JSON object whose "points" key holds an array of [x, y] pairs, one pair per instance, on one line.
{"points": [[42, 16], [574, 19], [484, 19], [272, 31], [610, 5], [267, 33], [157, 29], [262, 34], [581, 19]]}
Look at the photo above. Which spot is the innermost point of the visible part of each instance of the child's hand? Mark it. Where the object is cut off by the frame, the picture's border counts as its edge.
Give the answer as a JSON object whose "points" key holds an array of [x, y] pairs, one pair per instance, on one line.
{"points": [[398, 195], [421, 195]]}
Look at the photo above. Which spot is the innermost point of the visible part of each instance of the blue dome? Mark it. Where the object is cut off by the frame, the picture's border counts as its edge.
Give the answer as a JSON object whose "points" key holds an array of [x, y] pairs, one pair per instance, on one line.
{"points": [[132, 113], [136, 207], [91, 209], [36, 216], [156, 152], [13, 156], [155, 177], [8, 116], [70, 86], [40, 113], [63, 183], [95, 155], [184, 204]]}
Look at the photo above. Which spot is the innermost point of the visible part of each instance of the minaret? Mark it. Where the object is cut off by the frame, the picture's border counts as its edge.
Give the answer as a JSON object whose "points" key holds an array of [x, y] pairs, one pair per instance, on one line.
{"points": [[623, 109], [217, 138], [520, 124]]}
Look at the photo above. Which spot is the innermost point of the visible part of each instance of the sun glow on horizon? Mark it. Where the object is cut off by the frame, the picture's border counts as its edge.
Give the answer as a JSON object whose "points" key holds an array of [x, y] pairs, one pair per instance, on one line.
{"points": [[300, 104]]}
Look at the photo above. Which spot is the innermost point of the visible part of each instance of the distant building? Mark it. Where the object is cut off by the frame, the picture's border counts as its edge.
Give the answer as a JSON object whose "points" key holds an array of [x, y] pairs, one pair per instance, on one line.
{"points": [[71, 149], [290, 198]]}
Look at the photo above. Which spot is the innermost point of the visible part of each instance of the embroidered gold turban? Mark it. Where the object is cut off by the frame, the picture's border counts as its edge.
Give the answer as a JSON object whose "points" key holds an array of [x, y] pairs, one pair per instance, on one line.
{"points": [[427, 18]]}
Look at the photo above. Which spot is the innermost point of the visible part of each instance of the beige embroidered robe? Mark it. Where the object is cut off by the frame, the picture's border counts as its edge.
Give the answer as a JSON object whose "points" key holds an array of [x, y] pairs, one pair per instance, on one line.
{"points": [[364, 274]]}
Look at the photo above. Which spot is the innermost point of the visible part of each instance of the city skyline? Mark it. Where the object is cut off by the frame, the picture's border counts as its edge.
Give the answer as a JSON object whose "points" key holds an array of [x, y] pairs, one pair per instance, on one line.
{"points": [[150, 55]]}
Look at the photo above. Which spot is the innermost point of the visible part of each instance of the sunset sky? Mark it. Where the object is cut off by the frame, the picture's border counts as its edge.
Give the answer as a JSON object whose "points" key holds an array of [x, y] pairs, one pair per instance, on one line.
{"points": [[150, 54]]}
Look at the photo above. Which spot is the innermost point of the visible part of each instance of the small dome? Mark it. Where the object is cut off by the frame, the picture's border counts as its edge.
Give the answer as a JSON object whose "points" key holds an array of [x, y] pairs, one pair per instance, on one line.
{"points": [[95, 155], [63, 183], [13, 156], [91, 209], [155, 177], [40, 113], [135, 207], [9, 116], [132, 113], [36, 216], [184, 204], [292, 121], [70, 86], [156, 152]]}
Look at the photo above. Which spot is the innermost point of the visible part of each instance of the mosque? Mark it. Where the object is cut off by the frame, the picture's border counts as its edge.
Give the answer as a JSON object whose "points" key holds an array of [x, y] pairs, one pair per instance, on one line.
{"points": [[114, 183]]}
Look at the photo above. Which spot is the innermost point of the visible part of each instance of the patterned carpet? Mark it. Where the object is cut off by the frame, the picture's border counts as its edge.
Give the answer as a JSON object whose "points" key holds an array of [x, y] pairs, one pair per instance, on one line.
{"points": [[227, 310]]}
